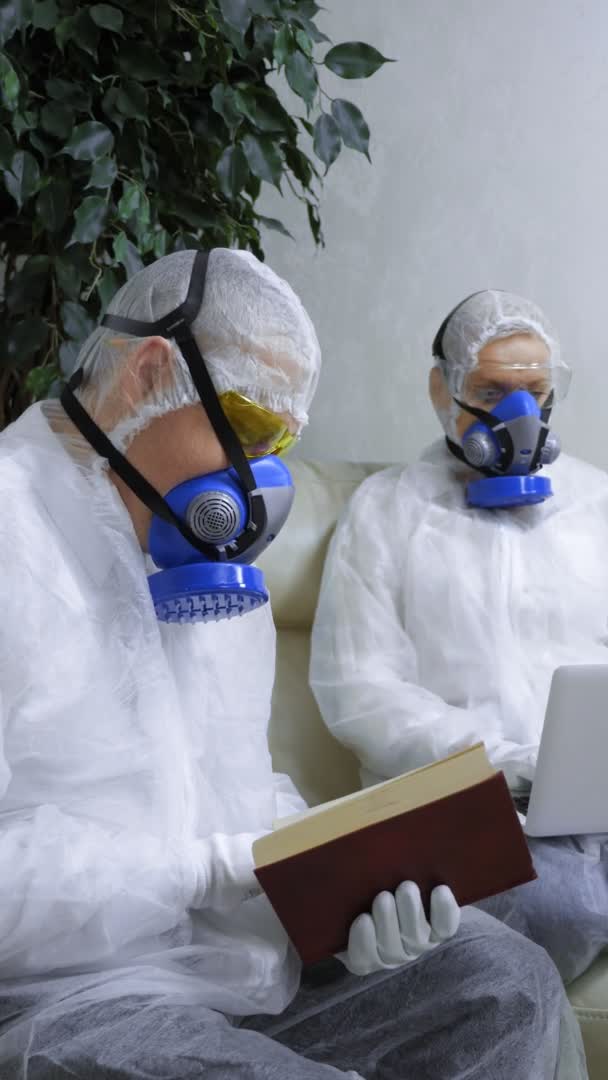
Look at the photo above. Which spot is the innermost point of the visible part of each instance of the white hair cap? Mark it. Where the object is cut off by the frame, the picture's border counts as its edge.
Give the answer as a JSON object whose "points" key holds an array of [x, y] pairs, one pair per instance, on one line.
{"points": [[252, 329], [484, 317]]}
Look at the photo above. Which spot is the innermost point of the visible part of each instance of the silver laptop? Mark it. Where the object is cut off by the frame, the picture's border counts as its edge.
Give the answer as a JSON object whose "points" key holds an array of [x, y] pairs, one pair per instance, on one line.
{"points": [[570, 790]]}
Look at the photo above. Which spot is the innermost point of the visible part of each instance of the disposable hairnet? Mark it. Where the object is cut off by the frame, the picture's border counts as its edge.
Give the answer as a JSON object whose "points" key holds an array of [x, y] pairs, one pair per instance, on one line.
{"points": [[252, 329], [484, 317]]}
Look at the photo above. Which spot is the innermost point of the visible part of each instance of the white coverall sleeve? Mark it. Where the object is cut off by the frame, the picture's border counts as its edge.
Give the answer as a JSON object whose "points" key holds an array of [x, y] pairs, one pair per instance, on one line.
{"points": [[288, 800], [364, 664], [73, 890]]}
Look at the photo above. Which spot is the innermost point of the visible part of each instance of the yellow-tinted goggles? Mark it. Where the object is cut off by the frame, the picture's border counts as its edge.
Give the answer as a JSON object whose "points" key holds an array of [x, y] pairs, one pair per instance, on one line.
{"points": [[259, 431]]}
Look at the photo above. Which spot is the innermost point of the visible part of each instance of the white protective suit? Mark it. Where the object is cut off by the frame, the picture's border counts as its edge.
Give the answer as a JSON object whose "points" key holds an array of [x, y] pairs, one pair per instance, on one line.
{"points": [[439, 624], [133, 756]]}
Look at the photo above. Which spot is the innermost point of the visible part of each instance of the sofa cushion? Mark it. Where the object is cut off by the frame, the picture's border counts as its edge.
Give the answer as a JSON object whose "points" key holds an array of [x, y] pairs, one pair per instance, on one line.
{"points": [[293, 564], [300, 743]]}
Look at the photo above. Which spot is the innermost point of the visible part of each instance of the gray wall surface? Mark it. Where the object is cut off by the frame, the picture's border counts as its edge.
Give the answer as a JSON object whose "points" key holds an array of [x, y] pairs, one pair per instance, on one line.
{"points": [[490, 168]]}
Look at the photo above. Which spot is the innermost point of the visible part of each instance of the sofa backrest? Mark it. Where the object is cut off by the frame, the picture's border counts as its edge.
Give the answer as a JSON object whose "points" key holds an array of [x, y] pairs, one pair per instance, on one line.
{"points": [[300, 744]]}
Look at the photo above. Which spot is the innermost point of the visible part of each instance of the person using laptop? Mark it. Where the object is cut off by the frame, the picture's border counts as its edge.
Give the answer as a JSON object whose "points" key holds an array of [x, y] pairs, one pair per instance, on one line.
{"points": [[455, 587]]}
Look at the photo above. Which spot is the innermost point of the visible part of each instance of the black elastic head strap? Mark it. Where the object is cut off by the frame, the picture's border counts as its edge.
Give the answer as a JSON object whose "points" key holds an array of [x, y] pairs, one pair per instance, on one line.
{"points": [[122, 466], [177, 324], [545, 416], [439, 336]]}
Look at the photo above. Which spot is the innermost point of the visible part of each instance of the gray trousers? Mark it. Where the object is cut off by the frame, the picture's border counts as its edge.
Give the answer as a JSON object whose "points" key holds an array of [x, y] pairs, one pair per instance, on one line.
{"points": [[487, 1005], [566, 909]]}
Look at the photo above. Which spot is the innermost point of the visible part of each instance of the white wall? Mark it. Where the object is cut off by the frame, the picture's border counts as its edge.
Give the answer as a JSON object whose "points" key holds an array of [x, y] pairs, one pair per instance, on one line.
{"points": [[490, 168]]}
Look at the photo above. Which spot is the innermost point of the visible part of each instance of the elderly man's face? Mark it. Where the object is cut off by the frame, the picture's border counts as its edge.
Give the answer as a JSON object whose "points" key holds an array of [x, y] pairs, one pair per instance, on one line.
{"points": [[517, 362]]}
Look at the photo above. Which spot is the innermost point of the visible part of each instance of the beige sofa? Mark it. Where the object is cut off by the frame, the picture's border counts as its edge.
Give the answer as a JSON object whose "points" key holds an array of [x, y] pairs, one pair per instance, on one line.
{"points": [[300, 744]]}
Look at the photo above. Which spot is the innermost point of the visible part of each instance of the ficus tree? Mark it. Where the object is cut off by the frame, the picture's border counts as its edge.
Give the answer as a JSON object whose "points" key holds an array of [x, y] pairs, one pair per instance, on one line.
{"points": [[138, 127]]}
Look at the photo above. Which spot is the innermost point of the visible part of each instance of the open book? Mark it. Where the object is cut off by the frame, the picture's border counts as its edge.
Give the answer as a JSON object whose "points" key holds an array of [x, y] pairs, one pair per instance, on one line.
{"points": [[452, 822]]}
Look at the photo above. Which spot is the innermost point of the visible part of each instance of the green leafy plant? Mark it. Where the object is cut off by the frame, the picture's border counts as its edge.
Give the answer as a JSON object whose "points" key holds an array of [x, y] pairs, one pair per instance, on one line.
{"points": [[138, 127]]}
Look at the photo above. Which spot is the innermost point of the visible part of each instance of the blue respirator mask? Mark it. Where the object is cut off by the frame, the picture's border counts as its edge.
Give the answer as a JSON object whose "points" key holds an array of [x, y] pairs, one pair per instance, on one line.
{"points": [[206, 532], [509, 445], [189, 588]]}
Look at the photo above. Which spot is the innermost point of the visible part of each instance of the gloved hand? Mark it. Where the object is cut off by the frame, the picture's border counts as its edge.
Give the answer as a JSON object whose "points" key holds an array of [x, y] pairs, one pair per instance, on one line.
{"points": [[397, 931]]}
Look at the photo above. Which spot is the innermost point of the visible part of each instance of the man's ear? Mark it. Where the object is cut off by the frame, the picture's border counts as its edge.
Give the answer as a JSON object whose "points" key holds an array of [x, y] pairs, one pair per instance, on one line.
{"points": [[439, 391], [150, 365]]}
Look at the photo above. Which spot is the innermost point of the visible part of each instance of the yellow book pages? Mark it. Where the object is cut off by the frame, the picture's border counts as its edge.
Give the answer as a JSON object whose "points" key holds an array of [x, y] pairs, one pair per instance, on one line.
{"points": [[378, 803]]}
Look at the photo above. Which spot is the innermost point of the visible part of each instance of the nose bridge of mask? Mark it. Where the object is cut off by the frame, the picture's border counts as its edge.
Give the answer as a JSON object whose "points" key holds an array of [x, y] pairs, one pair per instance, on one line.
{"points": [[189, 588], [507, 437], [509, 445]]}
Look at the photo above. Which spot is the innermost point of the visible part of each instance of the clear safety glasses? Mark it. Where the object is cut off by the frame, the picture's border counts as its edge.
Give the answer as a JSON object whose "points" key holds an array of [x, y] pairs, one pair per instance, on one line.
{"points": [[486, 386]]}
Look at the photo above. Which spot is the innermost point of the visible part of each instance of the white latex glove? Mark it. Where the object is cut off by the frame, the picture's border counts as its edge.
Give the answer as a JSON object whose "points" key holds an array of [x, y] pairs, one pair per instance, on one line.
{"points": [[397, 931]]}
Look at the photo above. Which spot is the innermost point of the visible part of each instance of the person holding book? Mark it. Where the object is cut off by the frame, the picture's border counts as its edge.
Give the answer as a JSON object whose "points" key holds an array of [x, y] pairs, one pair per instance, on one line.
{"points": [[134, 767], [455, 587]]}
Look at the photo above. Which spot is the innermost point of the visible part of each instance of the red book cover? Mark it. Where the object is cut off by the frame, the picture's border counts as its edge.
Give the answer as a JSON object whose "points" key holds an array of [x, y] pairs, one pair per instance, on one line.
{"points": [[470, 840]]}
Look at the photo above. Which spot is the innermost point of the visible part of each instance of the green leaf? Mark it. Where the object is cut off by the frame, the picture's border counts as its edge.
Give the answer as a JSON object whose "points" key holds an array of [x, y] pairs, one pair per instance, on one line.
{"points": [[40, 380], [129, 200], [195, 213], [23, 122], [14, 15], [77, 324], [142, 62], [283, 45], [106, 16], [268, 8], [108, 285], [160, 243], [237, 41], [7, 149], [69, 272], [264, 110], [126, 253], [224, 102], [27, 288], [263, 158], [81, 29], [301, 76], [73, 94], [103, 173], [53, 202], [89, 142], [304, 42], [68, 357], [236, 13], [274, 225], [315, 223], [109, 104], [90, 219], [327, 142], [132, 101], [43, 145], [143, 214], [308, 25], [26, 338], [9, 83], [351, 125], [23, 179], [45, 15], [57, 119], [232, 171], [299, 164], [354, 60]]}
